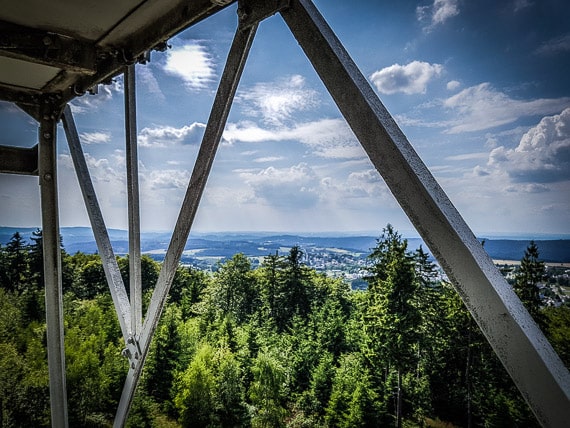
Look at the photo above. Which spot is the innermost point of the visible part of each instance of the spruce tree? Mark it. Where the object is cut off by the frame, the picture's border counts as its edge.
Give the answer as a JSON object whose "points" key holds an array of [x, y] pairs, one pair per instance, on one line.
{"points": [[392, 319], [528, 281]]}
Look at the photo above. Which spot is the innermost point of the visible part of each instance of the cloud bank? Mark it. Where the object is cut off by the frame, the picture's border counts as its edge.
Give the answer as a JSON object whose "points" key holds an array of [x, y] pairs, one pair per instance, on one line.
{"points": [[437, 13], [192, 63], [409, 79], [542, 156], [163, 136]]}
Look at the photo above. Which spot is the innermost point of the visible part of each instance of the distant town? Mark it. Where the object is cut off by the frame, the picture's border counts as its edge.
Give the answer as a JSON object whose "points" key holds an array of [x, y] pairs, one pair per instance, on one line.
{"points": [[344, 256]]}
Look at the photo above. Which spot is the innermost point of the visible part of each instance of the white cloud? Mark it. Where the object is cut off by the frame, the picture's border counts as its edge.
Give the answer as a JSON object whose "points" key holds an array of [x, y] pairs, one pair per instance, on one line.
{"points": [[95, 137], [527, 188], [149, 81], [268, 159], [411, 78], [436, 14], [163, 136], [89, 103], [327, 138], [557, 45], [452, 85], [169, 179], [483, 107], [102, 170], [192, 63], [468, 156], [285, 188], [275, 102], [542, 156], [366, 184], [521, 4]]}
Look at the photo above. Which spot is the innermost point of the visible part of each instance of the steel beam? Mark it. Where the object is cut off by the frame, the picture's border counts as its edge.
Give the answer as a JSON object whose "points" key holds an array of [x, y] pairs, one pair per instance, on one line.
{"points": [[18, 160], [110, 266], [21, 96], [135, 277], [212, 136], [251, 12], [520, 345], [48, 48], [52, 264]]}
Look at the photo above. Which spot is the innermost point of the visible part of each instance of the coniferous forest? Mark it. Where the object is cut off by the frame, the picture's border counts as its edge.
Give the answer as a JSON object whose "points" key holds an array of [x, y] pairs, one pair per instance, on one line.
{"points": [[275, 346]]}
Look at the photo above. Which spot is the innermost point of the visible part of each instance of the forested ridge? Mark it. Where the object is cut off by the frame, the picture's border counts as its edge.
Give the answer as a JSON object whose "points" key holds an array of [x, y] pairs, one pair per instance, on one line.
{"points": [[275, 346]]}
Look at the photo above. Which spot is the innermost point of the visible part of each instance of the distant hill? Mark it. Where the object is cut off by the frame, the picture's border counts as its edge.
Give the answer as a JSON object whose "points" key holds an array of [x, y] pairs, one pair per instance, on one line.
{"points": [[261, 244]]}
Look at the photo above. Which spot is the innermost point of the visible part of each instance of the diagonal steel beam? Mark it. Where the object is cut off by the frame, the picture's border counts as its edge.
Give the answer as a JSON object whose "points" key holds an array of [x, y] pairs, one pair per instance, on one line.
{"points": [[135, 276], [212, 136], [520, 345], [110, 266], [52, 263]]}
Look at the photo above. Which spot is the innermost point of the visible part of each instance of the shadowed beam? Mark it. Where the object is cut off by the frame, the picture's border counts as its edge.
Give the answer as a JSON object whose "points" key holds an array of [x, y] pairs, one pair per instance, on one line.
{"points": [[18, 160], [110, 266], [212, 136], [520, 345], [135, 276], [48, 48]]}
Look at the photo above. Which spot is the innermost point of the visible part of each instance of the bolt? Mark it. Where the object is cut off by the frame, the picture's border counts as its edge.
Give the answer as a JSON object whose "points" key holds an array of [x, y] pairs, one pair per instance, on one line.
{"points": [[47, 135], [47, 177], [47, 40]]}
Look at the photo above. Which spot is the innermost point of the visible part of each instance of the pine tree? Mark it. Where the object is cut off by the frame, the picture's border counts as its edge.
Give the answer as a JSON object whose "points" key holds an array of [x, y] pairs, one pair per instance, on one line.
{"points": [[392, 318], [16, 253], [528, 281]]}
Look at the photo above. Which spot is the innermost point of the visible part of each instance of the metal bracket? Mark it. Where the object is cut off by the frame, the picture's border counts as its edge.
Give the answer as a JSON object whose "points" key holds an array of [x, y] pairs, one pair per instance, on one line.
{"points": [[132, 352], [251, 12]]}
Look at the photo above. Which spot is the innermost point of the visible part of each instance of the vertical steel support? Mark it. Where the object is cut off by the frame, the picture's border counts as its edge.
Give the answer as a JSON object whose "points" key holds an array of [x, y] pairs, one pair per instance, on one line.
{"points": [[520, 345], [110, 266], [212, 136], [52, 263], [135, 277]]}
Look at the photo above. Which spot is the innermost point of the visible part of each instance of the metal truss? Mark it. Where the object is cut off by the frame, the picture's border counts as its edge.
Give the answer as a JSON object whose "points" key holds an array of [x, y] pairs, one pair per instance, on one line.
{"points": [[530, 360], [137, 335]]}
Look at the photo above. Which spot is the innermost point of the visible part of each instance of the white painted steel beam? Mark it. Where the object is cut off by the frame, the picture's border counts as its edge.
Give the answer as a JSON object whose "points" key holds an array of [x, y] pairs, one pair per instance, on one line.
{"points": [[520, 345], [52, 264], [212, 136], [135, 277], [110, 266]]}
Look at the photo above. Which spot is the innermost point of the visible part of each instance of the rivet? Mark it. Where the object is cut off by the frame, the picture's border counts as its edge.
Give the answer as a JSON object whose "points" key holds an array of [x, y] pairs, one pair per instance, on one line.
{"points": [[47, 177], [47, 135], [47, 41]]}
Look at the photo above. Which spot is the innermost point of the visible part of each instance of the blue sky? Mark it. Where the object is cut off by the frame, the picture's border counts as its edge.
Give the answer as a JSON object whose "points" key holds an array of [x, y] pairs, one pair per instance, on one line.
{"points": [[480, 88]]}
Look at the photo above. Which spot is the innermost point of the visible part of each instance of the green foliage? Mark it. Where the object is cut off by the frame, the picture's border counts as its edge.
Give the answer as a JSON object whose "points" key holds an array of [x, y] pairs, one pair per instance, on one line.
{"points": [[277, 346], [558, 332], [266, 391], [353, 401], [195, 390]]}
